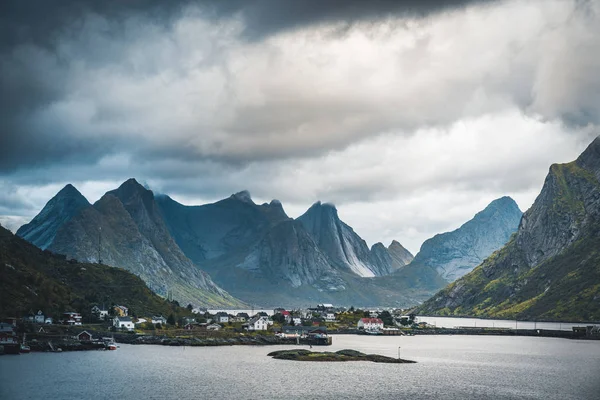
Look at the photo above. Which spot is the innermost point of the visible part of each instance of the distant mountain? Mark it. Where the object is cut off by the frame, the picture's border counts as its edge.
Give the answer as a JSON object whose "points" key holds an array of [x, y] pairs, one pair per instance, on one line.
{"points": [[212, 230], [125, 229], [342, 245], [59, 210], [453, 254], [550, 268], [254, 251], [259, 254], [33, 279], [399, 254]]}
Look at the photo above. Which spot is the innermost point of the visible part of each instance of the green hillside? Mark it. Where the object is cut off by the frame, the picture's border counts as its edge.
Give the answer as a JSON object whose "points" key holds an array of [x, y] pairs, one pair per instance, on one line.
{"points": [[33, 279], [566, 287], [550, 269]]}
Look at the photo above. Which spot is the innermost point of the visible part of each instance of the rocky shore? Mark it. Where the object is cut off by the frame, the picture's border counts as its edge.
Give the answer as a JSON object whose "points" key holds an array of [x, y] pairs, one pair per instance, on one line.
{"points": [[260, 340], [341, 355]]}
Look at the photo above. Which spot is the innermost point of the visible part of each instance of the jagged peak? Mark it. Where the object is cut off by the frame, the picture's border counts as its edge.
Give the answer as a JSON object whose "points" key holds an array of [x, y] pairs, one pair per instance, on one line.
{"points": [[319, 210], [590, 158], [319, 204], [129, 187], [396, 243], [505, 205], [504, 202], [377, 245], [132, 183], [275, 202], [244, 196], [69, 191]]}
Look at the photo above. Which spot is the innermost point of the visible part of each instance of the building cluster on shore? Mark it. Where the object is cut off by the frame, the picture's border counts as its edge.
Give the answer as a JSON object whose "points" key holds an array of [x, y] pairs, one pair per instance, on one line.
{"points": [[201, 327]]}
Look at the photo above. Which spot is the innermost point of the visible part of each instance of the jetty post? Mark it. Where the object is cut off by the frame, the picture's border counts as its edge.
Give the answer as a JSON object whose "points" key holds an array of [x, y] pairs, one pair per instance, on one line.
{"points": [[398, 352]]}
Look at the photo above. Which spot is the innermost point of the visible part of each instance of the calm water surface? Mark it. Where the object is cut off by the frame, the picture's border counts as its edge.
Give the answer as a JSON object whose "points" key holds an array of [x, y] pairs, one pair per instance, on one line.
{"points": [[449, 322], [449, 367]]}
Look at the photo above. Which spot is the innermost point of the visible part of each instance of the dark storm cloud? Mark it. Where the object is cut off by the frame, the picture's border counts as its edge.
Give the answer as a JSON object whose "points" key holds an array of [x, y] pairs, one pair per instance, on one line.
{"points": [[34, 71]]}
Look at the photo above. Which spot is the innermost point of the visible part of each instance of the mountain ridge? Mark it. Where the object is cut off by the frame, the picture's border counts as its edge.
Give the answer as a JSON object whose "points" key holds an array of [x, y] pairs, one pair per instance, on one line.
{"points": [[550, 269], [124, 228]]}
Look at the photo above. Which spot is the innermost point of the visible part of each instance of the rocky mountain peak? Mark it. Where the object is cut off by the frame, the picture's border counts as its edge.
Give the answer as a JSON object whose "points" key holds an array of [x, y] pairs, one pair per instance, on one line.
{"points": [[42, 229], [243, 196], [590, 158], [503, 206], [453, 254], [399, 254], [69, 191]]}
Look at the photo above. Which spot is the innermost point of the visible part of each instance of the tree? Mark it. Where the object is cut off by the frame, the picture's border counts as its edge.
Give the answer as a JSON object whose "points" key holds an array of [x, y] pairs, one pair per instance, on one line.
{"points": [[190, 307], [386, 317], [279, 318], [171, 319]]}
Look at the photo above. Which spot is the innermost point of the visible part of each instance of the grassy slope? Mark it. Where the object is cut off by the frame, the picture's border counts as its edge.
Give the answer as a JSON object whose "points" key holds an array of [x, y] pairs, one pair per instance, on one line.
{"points": [[33, 279]]}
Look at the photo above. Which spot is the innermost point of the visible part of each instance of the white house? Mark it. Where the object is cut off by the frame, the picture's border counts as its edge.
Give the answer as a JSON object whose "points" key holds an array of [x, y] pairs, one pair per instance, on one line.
{"points": [[123, 323], [329, 316], [39, 317], [71, 318], [221, 317], [370, 324], [101, 313], [159, 320], [258, 323], [297, 321]]}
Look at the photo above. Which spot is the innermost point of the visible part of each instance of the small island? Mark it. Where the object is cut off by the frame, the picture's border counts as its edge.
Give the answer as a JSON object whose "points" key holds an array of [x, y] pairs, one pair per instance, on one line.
{"points": [[341, 355]]}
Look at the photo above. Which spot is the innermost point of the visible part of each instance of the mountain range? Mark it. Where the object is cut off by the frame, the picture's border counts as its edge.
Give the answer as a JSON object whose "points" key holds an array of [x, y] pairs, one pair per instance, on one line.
{"points": [[215, 254], [550, 269], [123, 229]]}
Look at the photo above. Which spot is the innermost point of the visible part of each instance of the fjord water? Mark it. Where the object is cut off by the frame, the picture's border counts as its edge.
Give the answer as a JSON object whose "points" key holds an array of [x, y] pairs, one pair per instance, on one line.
{"points": [[449, 367]]}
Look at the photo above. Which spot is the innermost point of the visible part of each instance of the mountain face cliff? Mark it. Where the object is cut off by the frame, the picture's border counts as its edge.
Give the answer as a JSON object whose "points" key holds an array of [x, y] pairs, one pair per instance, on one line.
{"points": [[343, 246], [453, 254], [259, 254], [400, 256], [125, 229], [59, 210], [550, 268]]}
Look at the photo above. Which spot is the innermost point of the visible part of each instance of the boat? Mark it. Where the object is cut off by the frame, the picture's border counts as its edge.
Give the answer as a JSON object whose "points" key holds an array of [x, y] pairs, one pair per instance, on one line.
{"points": [[373, 332], [111, 346], [24, 348]]}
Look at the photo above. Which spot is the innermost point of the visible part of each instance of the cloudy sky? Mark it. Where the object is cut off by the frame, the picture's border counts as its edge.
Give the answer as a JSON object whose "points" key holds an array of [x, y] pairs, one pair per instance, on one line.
{"points": [[410, 116]]}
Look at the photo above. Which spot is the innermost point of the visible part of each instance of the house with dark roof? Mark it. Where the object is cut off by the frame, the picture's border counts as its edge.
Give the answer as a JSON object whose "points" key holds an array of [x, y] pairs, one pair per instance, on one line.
{"points": [[257, 323], [242, 317], [221, 317]]}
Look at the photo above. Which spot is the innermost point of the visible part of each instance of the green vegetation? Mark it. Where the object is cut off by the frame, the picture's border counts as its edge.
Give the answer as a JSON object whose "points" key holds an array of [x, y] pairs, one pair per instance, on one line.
{"points": [[565, 287], [33, 280]]}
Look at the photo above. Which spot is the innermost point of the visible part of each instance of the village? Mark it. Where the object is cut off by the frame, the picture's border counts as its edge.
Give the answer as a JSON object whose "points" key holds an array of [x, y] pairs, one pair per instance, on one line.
{"points": [[102, 327]]}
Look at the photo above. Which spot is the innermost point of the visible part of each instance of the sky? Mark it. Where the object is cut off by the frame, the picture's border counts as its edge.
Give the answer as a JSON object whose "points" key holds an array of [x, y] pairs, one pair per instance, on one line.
{"points": [[409, 116]]}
